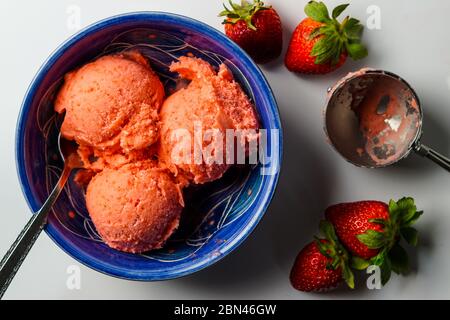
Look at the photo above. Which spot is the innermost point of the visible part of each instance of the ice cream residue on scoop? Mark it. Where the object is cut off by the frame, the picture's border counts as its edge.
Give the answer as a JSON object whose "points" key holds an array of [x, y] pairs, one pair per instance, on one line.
{"points": [[388, 116]]}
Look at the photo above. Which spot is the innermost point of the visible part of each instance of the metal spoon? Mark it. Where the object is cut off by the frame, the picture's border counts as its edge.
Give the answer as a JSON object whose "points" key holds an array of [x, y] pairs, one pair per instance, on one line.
{"points": [[374, 118], [20, 248]]}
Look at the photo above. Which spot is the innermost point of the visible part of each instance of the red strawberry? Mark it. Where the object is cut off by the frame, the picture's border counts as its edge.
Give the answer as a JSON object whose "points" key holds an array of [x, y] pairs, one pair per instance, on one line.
{"points": [[321, 265], [371, 230], [310, 272], [255, 28], [321, 44], [352, 219]]}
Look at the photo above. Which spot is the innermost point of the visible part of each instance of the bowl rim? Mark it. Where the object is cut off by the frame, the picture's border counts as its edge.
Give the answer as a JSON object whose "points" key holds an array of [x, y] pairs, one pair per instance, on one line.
{"points": [[191, 24]]}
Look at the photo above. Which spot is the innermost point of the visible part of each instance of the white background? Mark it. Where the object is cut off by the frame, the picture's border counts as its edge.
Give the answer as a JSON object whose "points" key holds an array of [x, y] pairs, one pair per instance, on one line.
{"points": [[413, 41]]}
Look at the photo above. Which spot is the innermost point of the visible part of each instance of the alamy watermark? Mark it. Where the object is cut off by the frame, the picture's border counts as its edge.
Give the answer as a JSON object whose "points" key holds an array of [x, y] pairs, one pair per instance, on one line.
{"points": [[373, 21], [73, 22], [73, 281], [374, 280], [230, 146]]}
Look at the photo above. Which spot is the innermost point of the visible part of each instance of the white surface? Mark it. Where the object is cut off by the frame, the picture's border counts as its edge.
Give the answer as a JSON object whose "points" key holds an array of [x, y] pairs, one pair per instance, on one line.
{"points": [[413, 42]]}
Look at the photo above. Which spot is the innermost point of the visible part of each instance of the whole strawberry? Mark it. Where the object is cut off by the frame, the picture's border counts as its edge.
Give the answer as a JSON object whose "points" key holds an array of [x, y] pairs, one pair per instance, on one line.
{"points": [[255, 28], [352, 219], [371, 231], [321, 44], [322, 264]]}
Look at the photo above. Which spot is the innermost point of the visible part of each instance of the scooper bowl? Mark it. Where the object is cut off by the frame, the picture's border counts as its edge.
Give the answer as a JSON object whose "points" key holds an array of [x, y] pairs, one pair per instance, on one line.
{"points": [[373, 119]]}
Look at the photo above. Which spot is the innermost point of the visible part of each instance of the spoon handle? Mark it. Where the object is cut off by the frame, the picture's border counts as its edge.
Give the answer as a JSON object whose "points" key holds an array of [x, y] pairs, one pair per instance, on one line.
{"points": [[27, 237], [433, 155]]}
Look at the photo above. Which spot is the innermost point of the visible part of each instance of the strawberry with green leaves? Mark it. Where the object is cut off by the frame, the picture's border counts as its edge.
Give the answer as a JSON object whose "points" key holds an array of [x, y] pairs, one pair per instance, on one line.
{"points": [[321, 44], [322, 264], [256, 28], [372, 231]]}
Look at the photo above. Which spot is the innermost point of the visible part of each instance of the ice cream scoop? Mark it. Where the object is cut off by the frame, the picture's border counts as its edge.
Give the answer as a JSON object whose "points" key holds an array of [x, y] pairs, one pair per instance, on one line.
{"points": [[134, 208], [111, 104], [198, 118], [373, 118]]}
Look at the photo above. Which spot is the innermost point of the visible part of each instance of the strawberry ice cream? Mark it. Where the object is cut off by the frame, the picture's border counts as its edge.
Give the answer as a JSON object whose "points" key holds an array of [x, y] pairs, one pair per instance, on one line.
{"points": [[111, 105], [194, 121], [134, 208], [112, 110]]}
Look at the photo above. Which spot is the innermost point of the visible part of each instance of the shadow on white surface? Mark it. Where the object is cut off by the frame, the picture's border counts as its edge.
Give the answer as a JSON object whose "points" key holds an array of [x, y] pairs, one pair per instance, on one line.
{"points": [[294, 214]]}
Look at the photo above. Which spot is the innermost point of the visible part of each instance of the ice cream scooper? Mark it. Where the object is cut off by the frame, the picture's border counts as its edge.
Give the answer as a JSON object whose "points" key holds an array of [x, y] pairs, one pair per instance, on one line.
{"points": [[373, 118]]}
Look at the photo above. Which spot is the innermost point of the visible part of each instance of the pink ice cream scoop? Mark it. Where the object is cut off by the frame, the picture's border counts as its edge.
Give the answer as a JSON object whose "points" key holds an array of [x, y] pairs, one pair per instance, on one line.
{"points": [[195, 120], [112, 104], [134, 208], [374, 119]]}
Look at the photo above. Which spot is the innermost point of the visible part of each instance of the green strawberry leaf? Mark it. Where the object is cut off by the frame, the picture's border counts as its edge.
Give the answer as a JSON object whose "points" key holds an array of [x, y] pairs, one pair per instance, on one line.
{"points": [[225, 13], [348, 276], [353, 29], [393, 210], [378, 260], [327, 248], [323, 247], [399, 259], [336, 262], [232, 21], [378, 221], [386, 270], [316, 32], [332, 249], [407, 208], [338, 10], [242, 12], [413, 219], [233, 5], [337, 54], [337, 37], [328, 50], [321, 46], [326, 57], [410, 235], [250, 25], [359, 263], [372, 239], [327, 229], [317, 11], [356, 50]]}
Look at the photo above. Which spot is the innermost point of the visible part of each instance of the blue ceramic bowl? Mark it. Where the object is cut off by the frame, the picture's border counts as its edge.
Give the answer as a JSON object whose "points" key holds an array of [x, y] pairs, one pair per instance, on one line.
{"points": [[220, 216]]}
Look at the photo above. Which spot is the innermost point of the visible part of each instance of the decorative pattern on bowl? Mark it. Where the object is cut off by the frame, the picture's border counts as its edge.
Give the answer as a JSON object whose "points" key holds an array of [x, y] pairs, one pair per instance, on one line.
{"points": [[219, 215]]}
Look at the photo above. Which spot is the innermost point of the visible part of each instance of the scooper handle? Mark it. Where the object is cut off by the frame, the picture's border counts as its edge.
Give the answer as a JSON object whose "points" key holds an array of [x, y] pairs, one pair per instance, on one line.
{"points": [[433, 155]]}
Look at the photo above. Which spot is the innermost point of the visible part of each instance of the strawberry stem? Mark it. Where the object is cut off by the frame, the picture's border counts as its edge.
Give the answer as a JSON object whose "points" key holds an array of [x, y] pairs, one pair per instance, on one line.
{"points": [[334, 250], [336, 37], [392, 257], [243, 12]]}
